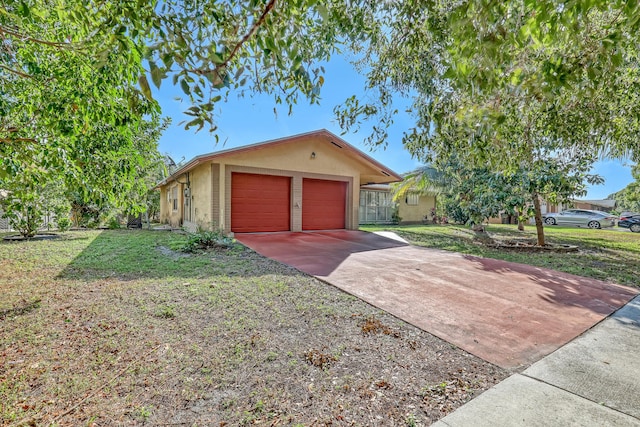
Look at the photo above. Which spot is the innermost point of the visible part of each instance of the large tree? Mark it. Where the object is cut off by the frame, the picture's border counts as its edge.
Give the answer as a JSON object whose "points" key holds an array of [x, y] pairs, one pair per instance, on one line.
{"points": [[552, 52], [65, 118], [508, 85], [75, 76], [474, 194], [628, 199], [207, 47]]}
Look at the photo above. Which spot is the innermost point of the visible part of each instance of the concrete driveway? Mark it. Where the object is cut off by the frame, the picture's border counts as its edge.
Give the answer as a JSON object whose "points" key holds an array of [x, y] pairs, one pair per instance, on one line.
{"points": [[506, 313]]}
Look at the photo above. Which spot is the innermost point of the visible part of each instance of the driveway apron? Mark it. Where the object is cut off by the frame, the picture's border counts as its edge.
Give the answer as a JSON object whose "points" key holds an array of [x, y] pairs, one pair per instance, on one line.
{"points": [[506, 313]]}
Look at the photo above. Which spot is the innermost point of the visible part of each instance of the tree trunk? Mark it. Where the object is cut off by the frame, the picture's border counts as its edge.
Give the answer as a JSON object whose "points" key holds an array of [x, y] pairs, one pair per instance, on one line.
{"points": [[478, 228], [520, 220], [538, 217]]}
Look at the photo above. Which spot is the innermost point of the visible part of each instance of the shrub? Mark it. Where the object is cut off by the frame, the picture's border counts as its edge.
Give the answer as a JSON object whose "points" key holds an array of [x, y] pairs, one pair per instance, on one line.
{"points": [[113, 223], [64, 223], [204, 239], [395, 216]]}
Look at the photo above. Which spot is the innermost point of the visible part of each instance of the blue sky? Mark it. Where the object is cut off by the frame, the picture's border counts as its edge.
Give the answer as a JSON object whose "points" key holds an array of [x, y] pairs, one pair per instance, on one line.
{"points": [[247, 120]]}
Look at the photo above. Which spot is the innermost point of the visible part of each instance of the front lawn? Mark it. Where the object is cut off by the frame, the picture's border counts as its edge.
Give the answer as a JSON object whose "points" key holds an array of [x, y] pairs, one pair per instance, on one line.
{"points": [[119, 328], [608, 254]]}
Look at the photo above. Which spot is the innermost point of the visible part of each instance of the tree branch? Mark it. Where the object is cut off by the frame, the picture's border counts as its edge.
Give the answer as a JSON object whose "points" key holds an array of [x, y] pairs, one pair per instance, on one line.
{"points": [[267, 9], [5, 30], [7, 140], [250, 33], [19, 73]]}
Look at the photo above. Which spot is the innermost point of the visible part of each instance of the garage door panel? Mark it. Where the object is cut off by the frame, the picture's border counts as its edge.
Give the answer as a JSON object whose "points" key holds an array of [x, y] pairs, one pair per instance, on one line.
{"points": [[260, 203], [323, 204]]}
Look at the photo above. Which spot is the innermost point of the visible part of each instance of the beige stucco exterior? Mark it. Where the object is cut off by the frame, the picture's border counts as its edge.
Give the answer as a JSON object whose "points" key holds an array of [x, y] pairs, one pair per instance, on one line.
{"points": [[167, 213], [412, 209], [319, 155], [414, 214]]}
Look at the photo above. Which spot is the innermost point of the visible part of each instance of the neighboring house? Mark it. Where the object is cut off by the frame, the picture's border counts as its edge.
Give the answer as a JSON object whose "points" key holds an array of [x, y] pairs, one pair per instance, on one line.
{"points": [[606, 205], [309, 181], [377, 206]]}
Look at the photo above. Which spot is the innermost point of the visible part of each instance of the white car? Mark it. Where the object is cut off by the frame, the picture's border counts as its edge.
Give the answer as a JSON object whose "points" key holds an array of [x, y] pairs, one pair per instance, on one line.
{"points": [[580, 218]]}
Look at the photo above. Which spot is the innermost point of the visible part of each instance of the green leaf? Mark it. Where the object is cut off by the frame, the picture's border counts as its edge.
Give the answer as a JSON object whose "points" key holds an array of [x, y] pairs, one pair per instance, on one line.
{"points": [[181, 41], [185, 87], [144, 86], [217, 58], [195, 122], [238, 73], [296, 63], [167, 60], [157, 74], [271, 44], [322, 10], [23, 10]]}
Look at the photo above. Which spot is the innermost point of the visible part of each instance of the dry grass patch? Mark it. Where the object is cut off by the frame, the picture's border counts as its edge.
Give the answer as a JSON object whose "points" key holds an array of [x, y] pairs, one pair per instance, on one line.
{"points": [[111, 328]]}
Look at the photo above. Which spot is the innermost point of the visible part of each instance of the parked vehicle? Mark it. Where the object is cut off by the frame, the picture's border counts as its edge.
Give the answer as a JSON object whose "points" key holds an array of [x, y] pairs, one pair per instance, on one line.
{"points": [[632, 222], [580, 218]]}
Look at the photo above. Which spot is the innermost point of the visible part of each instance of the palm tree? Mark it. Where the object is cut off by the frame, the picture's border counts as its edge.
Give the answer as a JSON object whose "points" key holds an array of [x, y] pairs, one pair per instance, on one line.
{"points": [[425, 180], [432, 181]]}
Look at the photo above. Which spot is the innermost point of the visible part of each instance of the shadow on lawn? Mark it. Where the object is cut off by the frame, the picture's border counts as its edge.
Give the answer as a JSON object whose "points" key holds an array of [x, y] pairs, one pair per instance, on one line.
{"points": [[139, 254], [564, 289]]}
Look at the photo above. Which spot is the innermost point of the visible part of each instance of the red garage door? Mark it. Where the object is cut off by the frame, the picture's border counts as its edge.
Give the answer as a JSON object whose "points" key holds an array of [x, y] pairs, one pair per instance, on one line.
{"points": [[260, 203], [323, 204]]}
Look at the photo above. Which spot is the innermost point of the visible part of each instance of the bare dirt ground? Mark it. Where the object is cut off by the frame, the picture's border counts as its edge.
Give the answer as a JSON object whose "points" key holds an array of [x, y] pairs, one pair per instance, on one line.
{"points": [[112, 328]]}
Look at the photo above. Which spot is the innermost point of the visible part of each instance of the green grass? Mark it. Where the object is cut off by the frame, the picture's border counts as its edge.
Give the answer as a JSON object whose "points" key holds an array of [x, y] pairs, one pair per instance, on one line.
{"points": [[608, 255]]}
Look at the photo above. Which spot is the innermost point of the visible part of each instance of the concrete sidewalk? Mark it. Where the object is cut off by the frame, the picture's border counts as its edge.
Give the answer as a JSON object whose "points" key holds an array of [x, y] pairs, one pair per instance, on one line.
{"points": [[592, 381]]}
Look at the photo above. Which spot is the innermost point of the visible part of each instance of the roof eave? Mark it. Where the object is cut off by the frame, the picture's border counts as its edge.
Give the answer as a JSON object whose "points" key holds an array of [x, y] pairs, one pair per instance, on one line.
{"points": [[393, 176]]}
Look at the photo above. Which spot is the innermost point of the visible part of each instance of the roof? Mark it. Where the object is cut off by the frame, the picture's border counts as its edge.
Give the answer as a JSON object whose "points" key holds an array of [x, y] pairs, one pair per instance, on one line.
{"points": [[330, 137], [383, 187], [605, 203]]}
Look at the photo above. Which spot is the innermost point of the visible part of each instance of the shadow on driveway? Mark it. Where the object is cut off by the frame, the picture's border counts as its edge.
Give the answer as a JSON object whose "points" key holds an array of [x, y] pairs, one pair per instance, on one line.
{"points": [[506, 313], [316, 253]]}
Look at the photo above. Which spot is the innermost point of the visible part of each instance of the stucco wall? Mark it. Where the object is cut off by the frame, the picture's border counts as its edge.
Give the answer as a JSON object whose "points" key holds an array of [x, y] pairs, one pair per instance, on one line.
{"points": [[200, 180], [164, 205], [167, 214], [328, 159], [415, 213]]}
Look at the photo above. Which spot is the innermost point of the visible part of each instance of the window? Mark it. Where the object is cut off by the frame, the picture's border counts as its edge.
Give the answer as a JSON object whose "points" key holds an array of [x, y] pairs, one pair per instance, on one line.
{"points": [[376, 207], [412, 199], [174, 197]]}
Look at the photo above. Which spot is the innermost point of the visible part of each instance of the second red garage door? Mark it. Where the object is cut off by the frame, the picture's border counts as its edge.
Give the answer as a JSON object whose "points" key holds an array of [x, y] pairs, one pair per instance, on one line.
{"points": [[323, 204], [260, 203]]}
